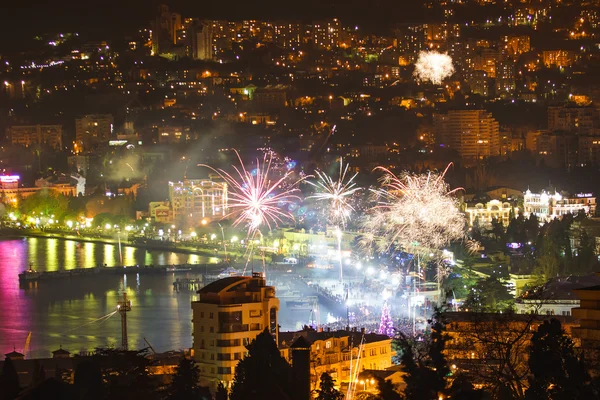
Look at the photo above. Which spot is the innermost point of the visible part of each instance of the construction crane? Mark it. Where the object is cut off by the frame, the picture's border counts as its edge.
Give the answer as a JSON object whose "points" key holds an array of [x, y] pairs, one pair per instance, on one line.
{"points": [[124, 306], [26, 348], [149, 345]]}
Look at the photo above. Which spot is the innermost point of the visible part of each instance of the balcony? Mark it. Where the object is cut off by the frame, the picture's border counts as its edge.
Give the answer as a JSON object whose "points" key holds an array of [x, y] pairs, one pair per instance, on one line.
{"points": [[233, 328], [586, 333], [586, 313]]}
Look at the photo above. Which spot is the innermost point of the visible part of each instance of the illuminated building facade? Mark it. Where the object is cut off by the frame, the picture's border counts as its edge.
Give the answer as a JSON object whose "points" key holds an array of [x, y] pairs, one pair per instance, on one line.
{"points": [[494, 209], [410, 41], [478, 82], [505, 77], [160, 211], [517, 45], [475, 134], [326, 34], [228, 315], [11, 193], [198, 198], [27, 135], [334, 351], [559, 58], [581, 120], [202, 41], [588, 314], [288, 34], [93, 130], [548, 206]]}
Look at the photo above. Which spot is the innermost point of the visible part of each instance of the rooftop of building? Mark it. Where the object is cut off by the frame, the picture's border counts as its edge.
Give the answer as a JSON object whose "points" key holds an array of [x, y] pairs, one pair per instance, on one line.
{"points": [[286, 339], [459, 316], [561, 288], [235, 289]]}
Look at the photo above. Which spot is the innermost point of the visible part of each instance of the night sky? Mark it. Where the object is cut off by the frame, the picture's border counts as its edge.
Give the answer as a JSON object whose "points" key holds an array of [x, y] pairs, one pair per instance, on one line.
{"points": [[27, 17]]}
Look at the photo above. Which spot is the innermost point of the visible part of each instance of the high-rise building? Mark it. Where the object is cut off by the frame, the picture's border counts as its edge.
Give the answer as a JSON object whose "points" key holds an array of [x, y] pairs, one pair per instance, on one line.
{"points": [[486, 61], [27, 135], [410, 41], [164, 30], [92, 130], [198, 198], [475, 134], [202, 38], [581, 120], [228, 315], [517, 45], [558, 58], [326, 33], [287, 34], [478, 81], [505, 77]]}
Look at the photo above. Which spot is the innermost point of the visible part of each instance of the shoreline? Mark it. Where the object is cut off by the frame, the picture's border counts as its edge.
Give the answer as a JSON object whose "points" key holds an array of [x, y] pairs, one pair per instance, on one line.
{"points": [[172, 249]]}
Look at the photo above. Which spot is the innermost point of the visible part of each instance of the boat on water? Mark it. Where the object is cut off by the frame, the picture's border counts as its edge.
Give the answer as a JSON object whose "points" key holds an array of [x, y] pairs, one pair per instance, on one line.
{"points": [[282, 294], [178, 269], [226, 273], [304, 304]]}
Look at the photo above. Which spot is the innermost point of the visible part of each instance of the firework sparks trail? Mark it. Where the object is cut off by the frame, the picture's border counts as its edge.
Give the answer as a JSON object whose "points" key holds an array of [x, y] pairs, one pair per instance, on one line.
{"points": [[416, 210], [255, 199], [336, 193], [433, 66]]}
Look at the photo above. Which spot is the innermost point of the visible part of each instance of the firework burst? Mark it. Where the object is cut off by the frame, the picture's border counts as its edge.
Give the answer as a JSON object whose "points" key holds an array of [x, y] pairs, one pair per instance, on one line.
{"points": [[336, 193], [433, 66], [416, 211], [254, 199]]}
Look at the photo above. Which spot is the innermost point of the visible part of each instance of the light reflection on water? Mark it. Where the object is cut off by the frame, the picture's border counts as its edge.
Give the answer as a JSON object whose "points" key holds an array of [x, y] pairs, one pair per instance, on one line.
{"points": [[55, 311], [59, 312]]}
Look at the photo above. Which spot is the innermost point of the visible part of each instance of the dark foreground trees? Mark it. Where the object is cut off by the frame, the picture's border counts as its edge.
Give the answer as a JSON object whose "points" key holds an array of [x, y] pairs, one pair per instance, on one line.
{"points": [[9, 381], [327, 390], [263, 373], [557, 371]]}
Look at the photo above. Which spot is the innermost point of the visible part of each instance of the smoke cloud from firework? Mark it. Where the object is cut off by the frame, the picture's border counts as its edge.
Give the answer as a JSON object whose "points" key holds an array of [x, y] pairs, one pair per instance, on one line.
{"points": [[416, 211], [256, 200], [433, 66]]}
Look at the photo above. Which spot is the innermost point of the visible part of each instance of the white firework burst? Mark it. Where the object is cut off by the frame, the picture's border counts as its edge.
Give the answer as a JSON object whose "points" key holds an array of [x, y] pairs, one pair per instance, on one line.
{"points": [[254, 199], [416, 211], [337, 193], [433, 66]]}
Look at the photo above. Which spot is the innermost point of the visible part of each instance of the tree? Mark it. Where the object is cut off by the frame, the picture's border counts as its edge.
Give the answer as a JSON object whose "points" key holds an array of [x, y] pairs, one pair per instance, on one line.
{"points": [[9, 381], [495, 351], [326, 390], [126, 373], [221, 393], [185, 381], [547, 264], [489, 295], [387, 390], [426, 371], [463, 389], [88, 381], [45, 203], [386, 326], [498, 229], [557, 372], [263, 373]]}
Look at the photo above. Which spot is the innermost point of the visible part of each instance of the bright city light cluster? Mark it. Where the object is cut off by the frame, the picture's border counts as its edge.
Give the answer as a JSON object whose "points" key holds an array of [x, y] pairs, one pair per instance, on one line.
{"points": [[433, 66]]}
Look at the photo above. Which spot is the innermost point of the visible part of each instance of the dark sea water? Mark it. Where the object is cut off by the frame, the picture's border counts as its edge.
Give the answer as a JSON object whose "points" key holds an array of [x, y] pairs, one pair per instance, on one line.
{"points": [[69, 312]]}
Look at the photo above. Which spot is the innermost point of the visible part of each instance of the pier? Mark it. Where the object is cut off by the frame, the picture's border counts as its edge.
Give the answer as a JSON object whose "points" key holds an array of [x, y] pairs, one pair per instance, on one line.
{"points": [[31, 275], [189, 284]]}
